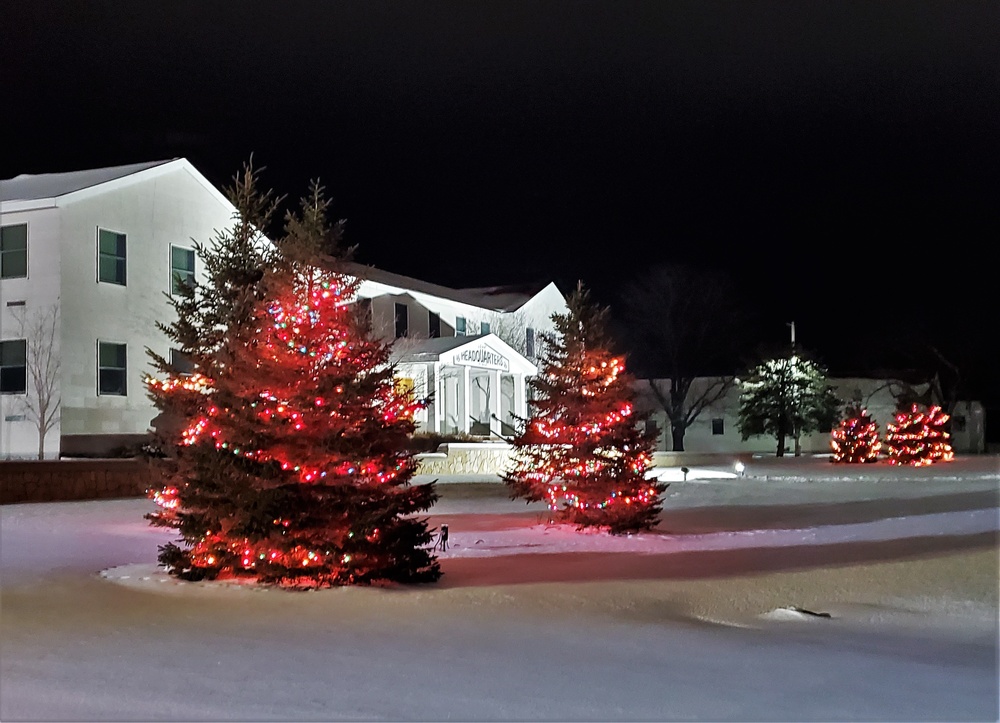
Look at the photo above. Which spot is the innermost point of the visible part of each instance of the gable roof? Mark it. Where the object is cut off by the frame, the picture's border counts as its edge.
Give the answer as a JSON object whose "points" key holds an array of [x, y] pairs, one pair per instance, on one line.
{"points": [[32, 187], [496, 298], [445, 349]]}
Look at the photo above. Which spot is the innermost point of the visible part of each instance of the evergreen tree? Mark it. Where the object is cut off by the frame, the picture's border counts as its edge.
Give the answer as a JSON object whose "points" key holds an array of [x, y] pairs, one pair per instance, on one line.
{"points": [[292, 468], [786, 397], [856, 439], [918, 438], [581, 449]]}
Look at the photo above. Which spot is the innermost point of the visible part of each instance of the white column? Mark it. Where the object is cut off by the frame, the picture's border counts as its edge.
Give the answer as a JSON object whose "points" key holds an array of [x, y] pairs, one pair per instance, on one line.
{"points": [[438, 403], [495, 401], [466, 400], [520, 404]]}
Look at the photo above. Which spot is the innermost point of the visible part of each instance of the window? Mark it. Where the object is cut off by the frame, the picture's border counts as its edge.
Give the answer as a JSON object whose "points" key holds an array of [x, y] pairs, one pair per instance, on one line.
{"points": [[110, 257], [180, 362], [958, 424], [529, 343], [718, 426], [111, 365], [14, 366], [433, 325], [484, 327], [460, 326], [14, 251], [181, 268], [365, 313], [402, 320]]}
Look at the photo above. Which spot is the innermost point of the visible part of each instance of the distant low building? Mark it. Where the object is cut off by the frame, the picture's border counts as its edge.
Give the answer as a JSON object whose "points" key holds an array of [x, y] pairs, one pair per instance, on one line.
{"points": [[99, 251], [716, 430]]}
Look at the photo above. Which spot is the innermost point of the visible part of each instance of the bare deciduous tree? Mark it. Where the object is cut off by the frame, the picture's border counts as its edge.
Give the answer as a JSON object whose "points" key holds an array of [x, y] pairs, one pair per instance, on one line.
{"points": [[41, 404], [683, 323]]}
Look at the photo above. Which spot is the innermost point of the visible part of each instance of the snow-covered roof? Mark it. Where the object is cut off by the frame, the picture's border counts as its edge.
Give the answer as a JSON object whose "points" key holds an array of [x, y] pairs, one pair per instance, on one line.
{"points": [[32, 187], [496, 298]]}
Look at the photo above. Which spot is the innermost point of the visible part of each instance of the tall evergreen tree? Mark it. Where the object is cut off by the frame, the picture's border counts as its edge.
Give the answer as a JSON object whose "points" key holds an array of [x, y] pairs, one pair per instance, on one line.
{"points": [[786, 397], [581, 449], [292, 468]]}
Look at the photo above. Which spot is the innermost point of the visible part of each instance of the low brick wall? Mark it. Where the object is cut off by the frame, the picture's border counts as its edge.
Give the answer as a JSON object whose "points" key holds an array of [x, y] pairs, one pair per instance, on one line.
{"points": [[67, 480]]}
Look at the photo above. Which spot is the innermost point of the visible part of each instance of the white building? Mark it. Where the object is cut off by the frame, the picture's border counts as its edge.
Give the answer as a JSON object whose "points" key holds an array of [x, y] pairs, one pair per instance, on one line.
{"points": [[716, 430], [97, 252]]}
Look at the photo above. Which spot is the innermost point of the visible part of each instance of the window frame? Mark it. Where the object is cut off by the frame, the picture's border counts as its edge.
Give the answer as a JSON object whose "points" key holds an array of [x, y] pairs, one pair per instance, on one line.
{"points": [[718, 423], [7, 367], [484, 327], [461, 326], [433, 325], [124, 257], [529, 342], [5, 252], [100, 368], [173, 271]]}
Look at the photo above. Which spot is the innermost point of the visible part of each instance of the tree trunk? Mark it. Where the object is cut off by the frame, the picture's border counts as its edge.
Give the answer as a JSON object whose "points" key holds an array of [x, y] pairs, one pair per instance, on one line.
{"points": [[41, 444], [798, 447], [781, 445], [677, 438]]}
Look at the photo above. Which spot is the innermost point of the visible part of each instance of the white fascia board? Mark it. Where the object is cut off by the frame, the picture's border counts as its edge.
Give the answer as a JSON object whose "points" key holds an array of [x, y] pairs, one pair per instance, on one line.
{"points": [[518, 364], [30, 205]]}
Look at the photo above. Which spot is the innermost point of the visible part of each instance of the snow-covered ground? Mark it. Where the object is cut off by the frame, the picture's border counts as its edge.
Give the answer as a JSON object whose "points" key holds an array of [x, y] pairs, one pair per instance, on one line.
{"points": [[706, 617]]}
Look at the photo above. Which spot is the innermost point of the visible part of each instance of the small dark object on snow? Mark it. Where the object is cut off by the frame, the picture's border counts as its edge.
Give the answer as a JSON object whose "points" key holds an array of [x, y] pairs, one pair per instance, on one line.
{"points": [[810, 612], [685, 470], [442, 541]]}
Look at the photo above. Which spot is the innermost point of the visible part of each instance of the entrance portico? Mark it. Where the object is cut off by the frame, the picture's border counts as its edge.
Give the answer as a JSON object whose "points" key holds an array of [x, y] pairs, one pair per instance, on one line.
{"points": [[476, 384]]}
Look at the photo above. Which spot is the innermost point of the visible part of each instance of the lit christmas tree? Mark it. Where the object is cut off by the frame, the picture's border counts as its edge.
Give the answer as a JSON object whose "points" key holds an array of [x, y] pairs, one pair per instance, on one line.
{"points": [[918, 438], [786, 397], [856, 439], [581, 450], [292, 468]]}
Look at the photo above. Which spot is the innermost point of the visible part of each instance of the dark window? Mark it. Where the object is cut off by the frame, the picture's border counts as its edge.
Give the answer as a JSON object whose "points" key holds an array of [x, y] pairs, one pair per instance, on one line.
{"points": [[484, 327], [529, 343], [718, 426], [958, 424], [14, 251], [402, 321], [111, 369], [460, 326], [365, 313], [181, 363], [110, 257], [14, 366], [181, 268], [433, 325]]}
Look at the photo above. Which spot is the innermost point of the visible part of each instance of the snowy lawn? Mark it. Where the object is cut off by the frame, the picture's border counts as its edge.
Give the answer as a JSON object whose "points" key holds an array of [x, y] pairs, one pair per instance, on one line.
{"points": [[703, 618]]}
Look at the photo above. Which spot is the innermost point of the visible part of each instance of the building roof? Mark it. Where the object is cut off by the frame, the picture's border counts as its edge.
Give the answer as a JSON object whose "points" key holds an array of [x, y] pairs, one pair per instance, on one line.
{"points": [[497, 298], [32, 187], [505, 298], [412, 349]]}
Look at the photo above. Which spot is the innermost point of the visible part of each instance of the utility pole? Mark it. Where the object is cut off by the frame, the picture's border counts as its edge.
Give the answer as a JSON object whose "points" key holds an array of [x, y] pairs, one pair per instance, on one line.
{"points": [[792, 324]]}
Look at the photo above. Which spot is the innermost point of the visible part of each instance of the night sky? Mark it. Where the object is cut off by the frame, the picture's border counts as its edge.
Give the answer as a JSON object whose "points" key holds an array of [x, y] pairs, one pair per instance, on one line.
{"points": [[836, 156]]}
